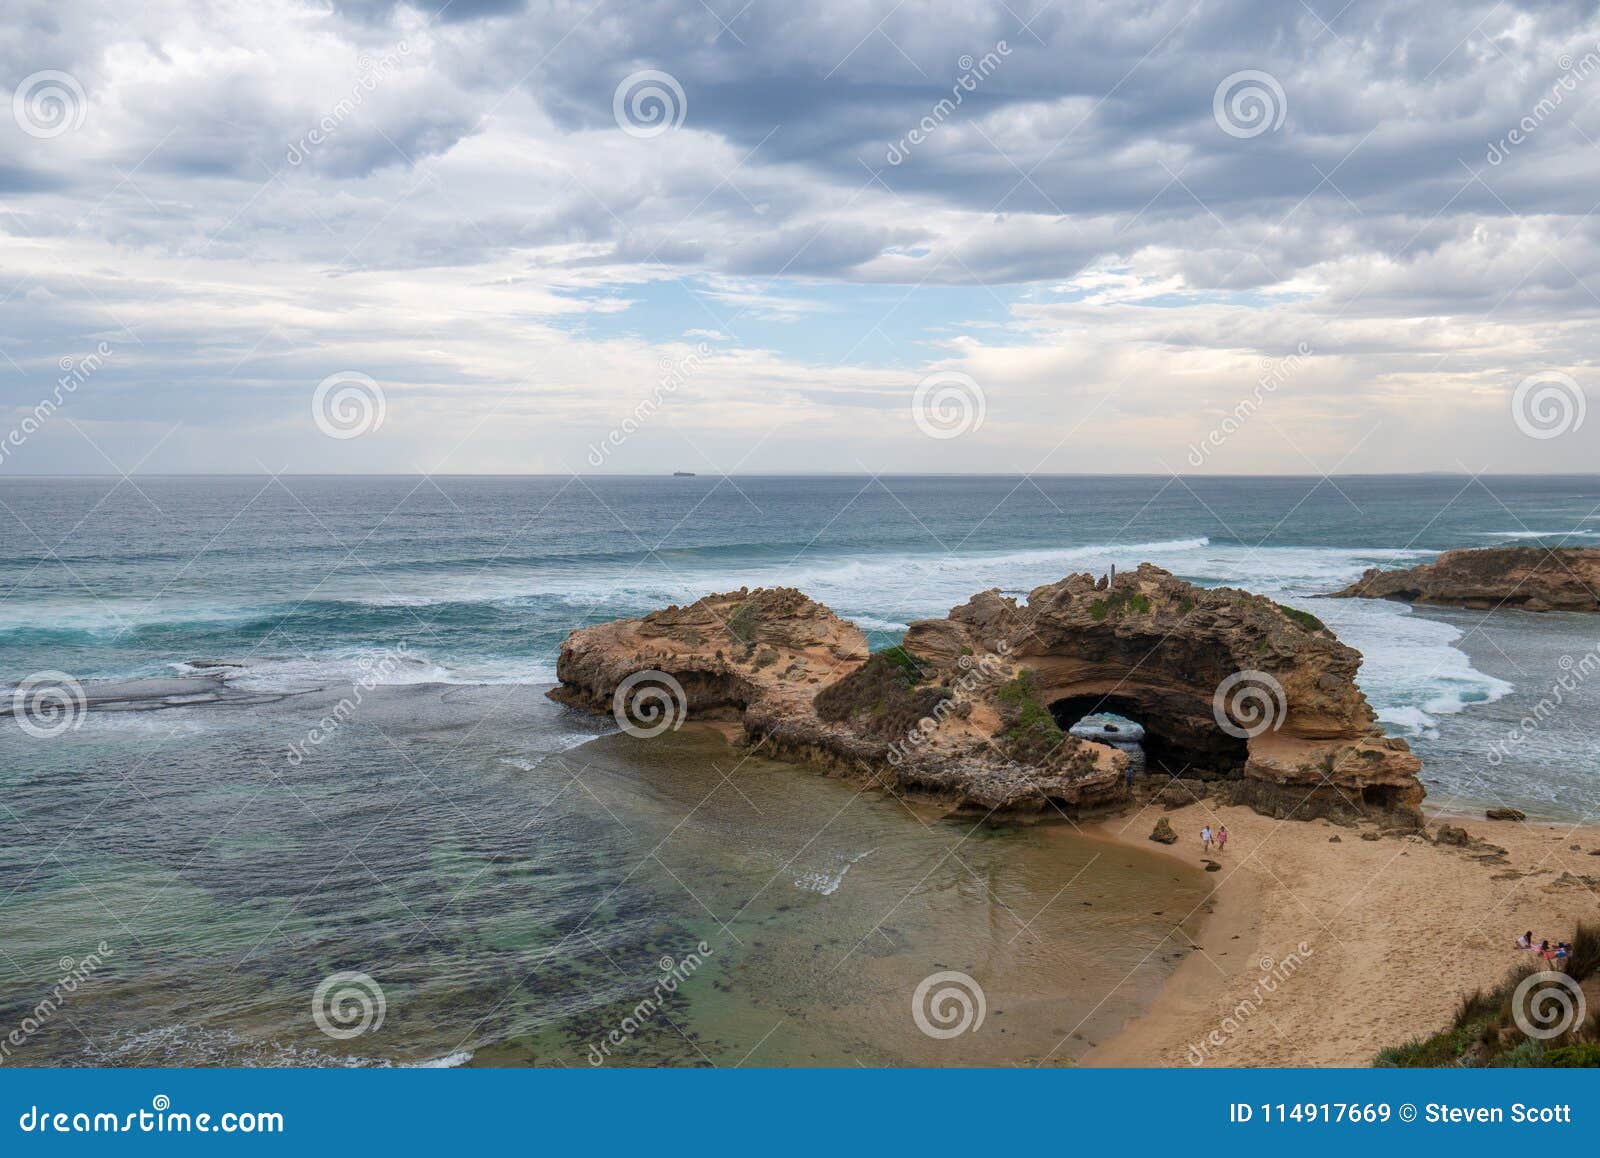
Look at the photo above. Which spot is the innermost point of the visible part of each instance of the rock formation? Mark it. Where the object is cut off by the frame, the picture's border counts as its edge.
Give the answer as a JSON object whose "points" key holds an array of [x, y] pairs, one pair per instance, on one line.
{"points": [[1486, 578], [1258, 700]]}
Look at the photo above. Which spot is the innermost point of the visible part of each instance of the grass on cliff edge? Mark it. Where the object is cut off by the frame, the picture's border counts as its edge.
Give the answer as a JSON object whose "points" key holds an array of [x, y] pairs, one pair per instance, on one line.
{"points": [[884, 697], [1118, 602], [1484, 1032], [1028, 730], [1304, 618]]}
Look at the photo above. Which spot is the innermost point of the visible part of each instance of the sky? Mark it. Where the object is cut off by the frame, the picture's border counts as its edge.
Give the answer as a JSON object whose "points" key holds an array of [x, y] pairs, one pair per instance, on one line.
{"points": [[746, 236]]}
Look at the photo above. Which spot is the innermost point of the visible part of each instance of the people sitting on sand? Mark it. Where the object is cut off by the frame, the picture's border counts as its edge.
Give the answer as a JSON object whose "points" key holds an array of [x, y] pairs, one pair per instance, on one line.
{"points": [[1560, 951]]}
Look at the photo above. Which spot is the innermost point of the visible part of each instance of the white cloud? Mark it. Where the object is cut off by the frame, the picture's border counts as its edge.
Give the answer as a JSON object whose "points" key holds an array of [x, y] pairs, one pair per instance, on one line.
{"points": [[470, 227]]}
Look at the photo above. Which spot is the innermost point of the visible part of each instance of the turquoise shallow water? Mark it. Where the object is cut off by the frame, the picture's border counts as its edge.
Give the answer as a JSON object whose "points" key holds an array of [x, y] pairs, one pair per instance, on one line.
{"points": [[514, 891]]}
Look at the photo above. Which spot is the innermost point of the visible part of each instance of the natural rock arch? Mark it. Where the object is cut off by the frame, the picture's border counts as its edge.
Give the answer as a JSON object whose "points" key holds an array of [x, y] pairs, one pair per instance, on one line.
{"points": [[1187, 663], [971, 707], [1173, 745]]}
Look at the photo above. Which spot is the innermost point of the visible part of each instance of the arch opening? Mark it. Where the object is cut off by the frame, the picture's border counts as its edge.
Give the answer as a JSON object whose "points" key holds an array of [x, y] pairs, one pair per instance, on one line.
{"points": [[1180, 738]]}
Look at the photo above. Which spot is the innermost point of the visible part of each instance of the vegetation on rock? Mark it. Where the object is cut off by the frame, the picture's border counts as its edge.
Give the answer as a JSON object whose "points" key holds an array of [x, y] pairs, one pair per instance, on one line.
{"points": [[1119, 601], [804, 684], [1304, 618], [884, 697], [742, 623], [1028, 731], [1484, 1032]]}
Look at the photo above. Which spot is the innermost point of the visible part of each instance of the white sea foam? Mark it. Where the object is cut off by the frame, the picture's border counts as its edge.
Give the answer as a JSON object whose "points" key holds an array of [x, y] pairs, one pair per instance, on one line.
{"points": [[1411, 670], [100, 616], [1412, 674], [291, 674], [874, 623], [1535, 534], [553, 744], [450, 1061], [827, 881], [181, 1043], [943, 579]]}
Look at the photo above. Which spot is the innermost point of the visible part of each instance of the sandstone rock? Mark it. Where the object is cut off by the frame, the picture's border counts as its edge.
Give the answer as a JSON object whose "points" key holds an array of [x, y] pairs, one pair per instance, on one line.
{"points": [[1335, 840], [1371, 836], [1487, 578], [1213, 867], [1505, 814], [1170, 794], [1452, 835], [1163, 833], [1176, 658], [972, 708]]}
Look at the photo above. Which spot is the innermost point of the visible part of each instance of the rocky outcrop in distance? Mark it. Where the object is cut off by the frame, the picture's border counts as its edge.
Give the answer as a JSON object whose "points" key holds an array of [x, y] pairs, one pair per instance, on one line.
{"points": [[1490, 578], [1256, 700]]}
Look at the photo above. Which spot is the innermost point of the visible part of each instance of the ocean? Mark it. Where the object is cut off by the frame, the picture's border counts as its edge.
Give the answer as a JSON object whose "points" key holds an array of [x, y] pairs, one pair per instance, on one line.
{"points": [[514, 878]]}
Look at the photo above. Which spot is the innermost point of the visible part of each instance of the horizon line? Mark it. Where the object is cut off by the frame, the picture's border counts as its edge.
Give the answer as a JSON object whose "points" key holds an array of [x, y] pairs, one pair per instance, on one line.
{"points": [[792, 474]]}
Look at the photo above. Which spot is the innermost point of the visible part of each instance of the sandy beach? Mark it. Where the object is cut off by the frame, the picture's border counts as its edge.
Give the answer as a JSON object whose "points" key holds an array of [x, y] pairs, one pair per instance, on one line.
{"points": [[1323, 948]]}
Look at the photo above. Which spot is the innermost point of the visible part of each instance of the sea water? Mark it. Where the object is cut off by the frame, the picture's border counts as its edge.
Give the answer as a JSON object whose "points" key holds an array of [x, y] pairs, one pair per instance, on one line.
{"points": [[513, 879]]}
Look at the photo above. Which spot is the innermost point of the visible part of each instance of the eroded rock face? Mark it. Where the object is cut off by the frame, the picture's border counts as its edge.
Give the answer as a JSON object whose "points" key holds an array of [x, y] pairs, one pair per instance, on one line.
{"points": [[769, 649], [973, 708], [1484, 578], [1162, 833], [1180, 660]]}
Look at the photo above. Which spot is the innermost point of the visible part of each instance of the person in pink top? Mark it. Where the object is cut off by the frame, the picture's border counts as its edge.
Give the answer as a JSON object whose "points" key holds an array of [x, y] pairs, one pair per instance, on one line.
{"points": [[1222, 838]]}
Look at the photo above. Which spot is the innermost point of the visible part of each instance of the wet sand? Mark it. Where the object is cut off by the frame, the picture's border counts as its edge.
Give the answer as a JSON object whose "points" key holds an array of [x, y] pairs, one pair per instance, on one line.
{"points": [[1323, 952]]}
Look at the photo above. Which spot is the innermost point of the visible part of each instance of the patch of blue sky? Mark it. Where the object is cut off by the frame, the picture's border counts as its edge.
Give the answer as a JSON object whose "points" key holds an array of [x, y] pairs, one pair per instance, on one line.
{"points": [[804, 320]]}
